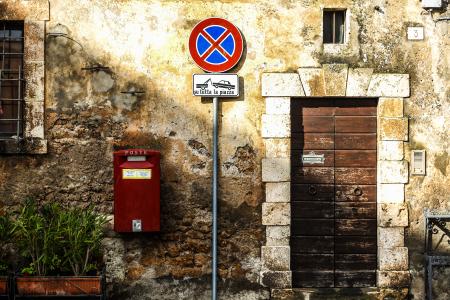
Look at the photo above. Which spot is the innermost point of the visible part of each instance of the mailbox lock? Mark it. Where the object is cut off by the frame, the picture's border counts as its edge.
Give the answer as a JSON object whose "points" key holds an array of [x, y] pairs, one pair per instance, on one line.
{"points": [[137, 225]]}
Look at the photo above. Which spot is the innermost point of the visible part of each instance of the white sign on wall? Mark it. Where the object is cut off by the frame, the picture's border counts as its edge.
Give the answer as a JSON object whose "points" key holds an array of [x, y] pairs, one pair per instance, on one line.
{"points": [[415, 33], [215, 85]]}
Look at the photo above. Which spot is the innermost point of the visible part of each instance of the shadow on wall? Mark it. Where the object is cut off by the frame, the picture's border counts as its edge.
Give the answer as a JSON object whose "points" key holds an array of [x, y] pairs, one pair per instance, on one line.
{"points": [[87, 118]]}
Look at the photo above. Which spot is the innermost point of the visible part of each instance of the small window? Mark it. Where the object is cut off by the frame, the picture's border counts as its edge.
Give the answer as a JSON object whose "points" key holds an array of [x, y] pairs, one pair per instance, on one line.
{"points": [[11, 80], [333, 26]]}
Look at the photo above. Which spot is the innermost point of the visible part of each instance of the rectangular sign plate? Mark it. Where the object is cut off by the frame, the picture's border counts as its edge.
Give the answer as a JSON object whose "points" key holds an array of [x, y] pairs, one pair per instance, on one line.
{"points": [[137, 174], [215, 85], [312, 158], [415, 33]]}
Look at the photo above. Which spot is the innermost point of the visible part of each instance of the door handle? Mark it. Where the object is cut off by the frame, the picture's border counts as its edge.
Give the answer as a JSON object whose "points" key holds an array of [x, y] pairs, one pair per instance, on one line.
{"points": [[358, 191], [312, 190]]}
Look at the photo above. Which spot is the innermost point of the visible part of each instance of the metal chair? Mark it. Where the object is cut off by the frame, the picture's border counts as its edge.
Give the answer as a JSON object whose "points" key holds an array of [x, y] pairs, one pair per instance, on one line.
{"points": [[435, 224]]}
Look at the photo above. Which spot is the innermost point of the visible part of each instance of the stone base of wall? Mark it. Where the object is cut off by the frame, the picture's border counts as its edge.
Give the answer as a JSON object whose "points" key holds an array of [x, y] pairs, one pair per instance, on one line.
{"points": [[339, 294]]}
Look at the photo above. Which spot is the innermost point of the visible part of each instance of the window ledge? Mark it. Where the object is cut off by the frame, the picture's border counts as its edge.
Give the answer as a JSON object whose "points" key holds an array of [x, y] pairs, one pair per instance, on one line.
{"points": [[26, 146], [335, 48]]}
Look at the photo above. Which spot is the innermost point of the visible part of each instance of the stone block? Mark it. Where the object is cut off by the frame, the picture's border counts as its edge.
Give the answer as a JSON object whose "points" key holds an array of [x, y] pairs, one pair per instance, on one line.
{"points": [[393, 259], [312, 81], [276, 258], [394, 293], [391, 150], [278, 105], [393, 171], [276, 213], [34, 46], [389, 85], [394, 129], [36, 146], [278, 148], [392, 215], [281, 85], [390, 237], [391, 193], [278, 192], [35, 74], [34, 116], [276, 279], [285, 294], [335, 79], [390, 107], [278, 235], [358, 82], [38, 10], [276, 126], [276, 169], [395, 279]]}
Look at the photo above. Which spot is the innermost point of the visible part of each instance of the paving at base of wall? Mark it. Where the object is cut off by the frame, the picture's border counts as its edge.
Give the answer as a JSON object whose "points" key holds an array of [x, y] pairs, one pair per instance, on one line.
{"points": [[338, 294]]}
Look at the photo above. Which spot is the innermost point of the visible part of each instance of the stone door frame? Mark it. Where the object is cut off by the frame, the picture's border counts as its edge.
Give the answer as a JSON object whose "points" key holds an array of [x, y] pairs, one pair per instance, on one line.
{"points": [[336, 80]]}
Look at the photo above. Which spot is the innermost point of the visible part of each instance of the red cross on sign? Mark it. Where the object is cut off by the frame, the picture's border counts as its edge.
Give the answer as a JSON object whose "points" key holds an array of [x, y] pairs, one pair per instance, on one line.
{"points": [[216, 45]]}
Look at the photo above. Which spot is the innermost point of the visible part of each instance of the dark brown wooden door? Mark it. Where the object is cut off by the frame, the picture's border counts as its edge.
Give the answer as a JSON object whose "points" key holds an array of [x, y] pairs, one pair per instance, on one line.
{"points": [[334, 226]]}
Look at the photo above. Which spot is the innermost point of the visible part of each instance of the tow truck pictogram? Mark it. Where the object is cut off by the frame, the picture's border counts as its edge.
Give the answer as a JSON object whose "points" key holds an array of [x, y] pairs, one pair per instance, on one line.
{"points": [[203, 85]]}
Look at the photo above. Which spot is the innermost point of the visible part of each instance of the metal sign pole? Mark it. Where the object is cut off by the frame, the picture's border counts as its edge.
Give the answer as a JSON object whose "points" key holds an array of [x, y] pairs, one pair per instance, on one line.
{"points": [[214, 84], [214, 196]]}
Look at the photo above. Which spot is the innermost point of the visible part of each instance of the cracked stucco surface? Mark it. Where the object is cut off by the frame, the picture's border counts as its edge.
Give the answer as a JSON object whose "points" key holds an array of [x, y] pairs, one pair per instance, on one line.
{"points": [[144, 43]]}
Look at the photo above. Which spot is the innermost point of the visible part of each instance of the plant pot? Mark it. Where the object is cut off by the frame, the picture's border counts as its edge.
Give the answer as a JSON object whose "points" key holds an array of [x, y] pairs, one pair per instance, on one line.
{"points": [[3, 285], [59, 285]]}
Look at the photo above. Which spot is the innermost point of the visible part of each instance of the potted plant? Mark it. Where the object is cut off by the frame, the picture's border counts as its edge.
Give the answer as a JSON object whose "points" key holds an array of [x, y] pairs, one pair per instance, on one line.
{"points": [[5, 240], [62, 246]]}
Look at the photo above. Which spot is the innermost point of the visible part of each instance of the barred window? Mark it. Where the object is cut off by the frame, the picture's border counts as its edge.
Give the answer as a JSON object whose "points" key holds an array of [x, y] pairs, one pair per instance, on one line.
{"points": [[11, 80]]}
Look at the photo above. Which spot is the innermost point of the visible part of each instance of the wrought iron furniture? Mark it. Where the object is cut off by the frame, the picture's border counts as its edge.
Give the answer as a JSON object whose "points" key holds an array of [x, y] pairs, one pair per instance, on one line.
{"points": [[436, 225]]}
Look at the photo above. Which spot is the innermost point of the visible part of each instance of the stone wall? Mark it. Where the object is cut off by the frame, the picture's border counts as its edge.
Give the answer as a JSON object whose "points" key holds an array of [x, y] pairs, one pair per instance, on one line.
{"points": [[144, 46]]}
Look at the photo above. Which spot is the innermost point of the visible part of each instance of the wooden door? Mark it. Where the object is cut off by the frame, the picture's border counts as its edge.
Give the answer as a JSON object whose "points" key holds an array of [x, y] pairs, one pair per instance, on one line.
{"points": [[333, 209]]}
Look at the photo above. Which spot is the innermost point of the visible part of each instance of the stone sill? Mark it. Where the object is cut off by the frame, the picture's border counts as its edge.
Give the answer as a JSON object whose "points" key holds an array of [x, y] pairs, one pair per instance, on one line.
{"points": [[336, 49], [368, 293], [26, 146]]}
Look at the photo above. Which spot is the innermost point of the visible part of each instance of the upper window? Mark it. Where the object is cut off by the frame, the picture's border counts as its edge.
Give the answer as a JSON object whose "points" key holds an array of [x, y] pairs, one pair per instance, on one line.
{"points": [[334, 26], [11, 80]]}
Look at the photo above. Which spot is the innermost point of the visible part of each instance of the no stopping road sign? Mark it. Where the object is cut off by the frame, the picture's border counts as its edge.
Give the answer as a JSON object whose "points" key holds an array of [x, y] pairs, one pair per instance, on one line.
{"points": [[216, 45]]}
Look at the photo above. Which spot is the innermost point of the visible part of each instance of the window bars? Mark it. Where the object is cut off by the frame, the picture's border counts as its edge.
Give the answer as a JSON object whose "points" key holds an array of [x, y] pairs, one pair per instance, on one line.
{"points": [[11, 81]]}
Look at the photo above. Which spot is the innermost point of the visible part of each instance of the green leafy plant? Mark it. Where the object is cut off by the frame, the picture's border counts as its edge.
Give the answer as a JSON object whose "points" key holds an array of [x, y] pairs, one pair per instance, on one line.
{"points": [[56, 240], [38, 234], [83, 233]]}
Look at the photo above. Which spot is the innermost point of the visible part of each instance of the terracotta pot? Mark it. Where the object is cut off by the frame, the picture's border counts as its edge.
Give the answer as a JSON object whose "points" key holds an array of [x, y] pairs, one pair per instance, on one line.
{"points": [[3, 285], [61, 285]]}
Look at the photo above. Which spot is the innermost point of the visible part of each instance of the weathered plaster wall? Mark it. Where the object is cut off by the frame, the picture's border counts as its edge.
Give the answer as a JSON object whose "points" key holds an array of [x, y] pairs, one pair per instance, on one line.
{"points": [[144, 44]]}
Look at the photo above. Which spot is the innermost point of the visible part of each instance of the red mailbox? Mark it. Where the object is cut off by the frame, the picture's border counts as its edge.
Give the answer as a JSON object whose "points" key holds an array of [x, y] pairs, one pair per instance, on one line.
{"points": [[136, 190]]}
